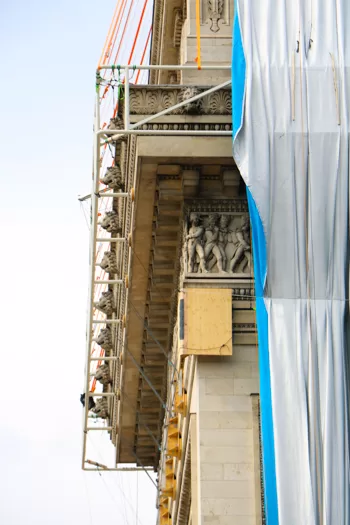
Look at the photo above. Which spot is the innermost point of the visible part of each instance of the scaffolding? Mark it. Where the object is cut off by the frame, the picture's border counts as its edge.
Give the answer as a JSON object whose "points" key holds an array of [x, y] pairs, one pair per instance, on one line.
{"points": [[98, 283]]}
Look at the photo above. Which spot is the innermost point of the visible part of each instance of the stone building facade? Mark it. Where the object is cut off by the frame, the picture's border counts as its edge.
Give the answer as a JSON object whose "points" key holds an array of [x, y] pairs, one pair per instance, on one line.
{"points": [[188, 402]]}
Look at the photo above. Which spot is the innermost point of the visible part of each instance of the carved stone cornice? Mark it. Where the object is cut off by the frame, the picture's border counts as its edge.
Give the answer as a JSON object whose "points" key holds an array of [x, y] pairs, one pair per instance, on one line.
{"points": [[149, 100], [242, 294], [218, 205], [188, 127], [158, 9]]}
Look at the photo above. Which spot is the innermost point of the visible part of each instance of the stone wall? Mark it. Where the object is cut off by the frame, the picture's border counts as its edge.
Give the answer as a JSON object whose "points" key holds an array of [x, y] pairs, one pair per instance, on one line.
{"points": [[227, 492], [175, 40]]}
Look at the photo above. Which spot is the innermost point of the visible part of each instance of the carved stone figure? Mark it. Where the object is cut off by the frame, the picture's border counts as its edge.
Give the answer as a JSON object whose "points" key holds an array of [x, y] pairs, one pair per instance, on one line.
{"points": [[109, 262], [110, 222], [106, 303], [192, 107], [101, 408], [223, 237], [194, 244], [213, 249], [113, 178], [103, 375], [104, 339], [116, 123], [241, 238]]}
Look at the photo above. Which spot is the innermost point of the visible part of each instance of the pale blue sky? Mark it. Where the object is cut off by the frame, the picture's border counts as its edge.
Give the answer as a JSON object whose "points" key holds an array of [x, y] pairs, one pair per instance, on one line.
{"points": [[49, 51]]}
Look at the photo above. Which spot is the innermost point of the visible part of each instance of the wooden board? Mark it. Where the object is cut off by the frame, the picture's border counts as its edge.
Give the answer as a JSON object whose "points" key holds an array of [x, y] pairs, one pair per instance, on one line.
{"points": [[208, 321]]}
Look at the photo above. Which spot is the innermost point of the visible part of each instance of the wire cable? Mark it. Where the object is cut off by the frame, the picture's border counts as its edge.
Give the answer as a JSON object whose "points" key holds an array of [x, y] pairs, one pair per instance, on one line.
{"points": [[113, 479], [87, 497]]}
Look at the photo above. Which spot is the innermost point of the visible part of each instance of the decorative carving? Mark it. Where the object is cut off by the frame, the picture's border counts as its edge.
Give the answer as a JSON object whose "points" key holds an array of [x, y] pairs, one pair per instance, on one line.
{"points": [[190, 127], [215, 8], [113, 178], [173, 77], [104, 339], [101, 408], [242, 294], [109, 262], [103, 375], [178, 21], [217, 103], [194, 244], [215, 11], [158, 10], [242, 253], [218, 243], [230, 206], [116, 123], [214, 247], [192, 107], [106, 303], [110, 222], [153, 99]]}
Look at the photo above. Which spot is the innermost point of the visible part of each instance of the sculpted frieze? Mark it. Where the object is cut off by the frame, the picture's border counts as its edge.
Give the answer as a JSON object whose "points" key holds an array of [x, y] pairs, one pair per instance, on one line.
{"points": [[217, 243]]}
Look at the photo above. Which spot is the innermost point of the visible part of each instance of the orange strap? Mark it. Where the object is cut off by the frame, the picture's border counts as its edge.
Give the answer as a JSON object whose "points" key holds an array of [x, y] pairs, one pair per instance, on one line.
{"points": [[137, 32], [123, 33], [120, 20], [198, 32], [110, 36], [143, 54]]}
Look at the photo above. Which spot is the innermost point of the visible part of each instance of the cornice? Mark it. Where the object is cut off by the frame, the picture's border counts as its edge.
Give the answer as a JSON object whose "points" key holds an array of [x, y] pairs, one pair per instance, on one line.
{"points": [[158, 9], [149, 100]]}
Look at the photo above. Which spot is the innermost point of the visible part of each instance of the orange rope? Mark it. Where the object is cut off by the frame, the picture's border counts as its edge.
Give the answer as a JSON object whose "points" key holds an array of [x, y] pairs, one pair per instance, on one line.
{"points": [[137, 31], [198, 33], [123, 33], [115, 109], [109, 37], [120, 19], [143, 54]]}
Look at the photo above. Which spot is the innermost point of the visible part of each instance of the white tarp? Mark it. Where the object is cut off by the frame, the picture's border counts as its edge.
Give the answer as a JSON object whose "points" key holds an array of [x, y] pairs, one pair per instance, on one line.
{"points": [[293, 153]]}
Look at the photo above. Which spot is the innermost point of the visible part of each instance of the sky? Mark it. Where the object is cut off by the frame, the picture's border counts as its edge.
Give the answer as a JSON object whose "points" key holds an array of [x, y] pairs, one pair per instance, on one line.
{"points": [[48, 55]]}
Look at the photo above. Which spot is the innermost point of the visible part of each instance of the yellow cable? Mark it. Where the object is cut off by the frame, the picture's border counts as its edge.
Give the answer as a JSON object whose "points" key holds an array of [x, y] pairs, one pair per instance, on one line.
{"points": [[198, 32]]}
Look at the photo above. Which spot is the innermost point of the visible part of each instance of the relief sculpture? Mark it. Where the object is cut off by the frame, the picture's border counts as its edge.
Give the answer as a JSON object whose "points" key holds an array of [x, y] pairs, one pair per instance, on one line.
{"points": [[218, 244], [195, 251]]}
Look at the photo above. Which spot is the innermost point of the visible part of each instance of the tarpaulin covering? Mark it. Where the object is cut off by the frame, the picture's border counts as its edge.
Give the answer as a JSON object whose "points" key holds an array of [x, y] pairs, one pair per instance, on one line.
{"points": [[291, 90]]}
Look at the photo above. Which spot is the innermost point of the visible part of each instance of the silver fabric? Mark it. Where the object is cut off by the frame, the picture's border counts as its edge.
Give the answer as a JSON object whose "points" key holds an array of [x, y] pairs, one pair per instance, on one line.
{"points": [[293, 153]]}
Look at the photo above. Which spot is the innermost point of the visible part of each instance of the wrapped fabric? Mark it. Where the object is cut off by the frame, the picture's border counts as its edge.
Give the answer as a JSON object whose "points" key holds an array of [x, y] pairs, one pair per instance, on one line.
{"points": [[291, 90]]}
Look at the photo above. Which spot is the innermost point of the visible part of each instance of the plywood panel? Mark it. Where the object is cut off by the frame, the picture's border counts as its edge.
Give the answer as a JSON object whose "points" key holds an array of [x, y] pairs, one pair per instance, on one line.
{"points": [[208, 321]]}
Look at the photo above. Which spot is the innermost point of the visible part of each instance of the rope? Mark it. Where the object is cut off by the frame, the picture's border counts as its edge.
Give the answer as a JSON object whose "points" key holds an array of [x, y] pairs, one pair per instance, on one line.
{"points": [[137, 31], [143, 54], [123, 33], [108, 38], [111, 36]]}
